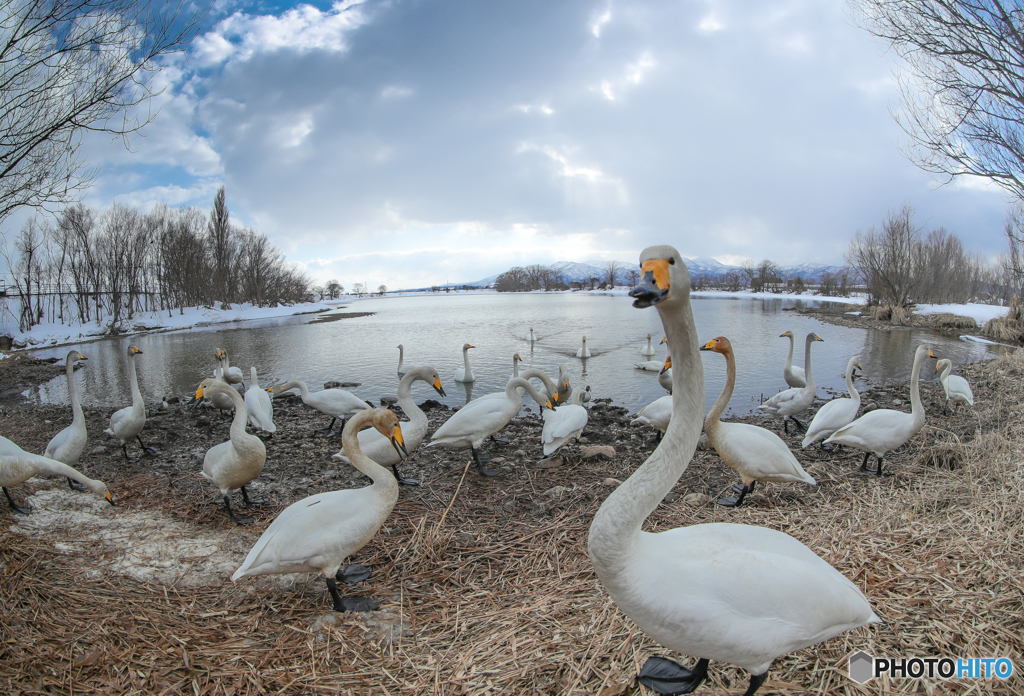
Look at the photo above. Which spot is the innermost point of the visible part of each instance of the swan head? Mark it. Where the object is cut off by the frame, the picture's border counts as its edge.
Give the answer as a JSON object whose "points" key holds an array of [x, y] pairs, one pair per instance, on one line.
{"points": [[648, 337], [467, 346], [812, 337], [668, 364], [663, 275], [384, 422], [787, 334], [132, 350], [100, 489], [664, 339], [435, 382], [718, 345], [945, 362], [75, 356]]}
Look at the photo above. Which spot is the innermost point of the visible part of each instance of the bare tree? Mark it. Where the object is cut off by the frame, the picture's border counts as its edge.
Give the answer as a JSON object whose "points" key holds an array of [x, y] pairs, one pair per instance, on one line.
{"points": [[358, 289], [632, 276], [749, 273], [71, 66], [886, 259], [611, 272], [334, 289], [382, 289], [768, 276], [1013, 263], [221, 245]]}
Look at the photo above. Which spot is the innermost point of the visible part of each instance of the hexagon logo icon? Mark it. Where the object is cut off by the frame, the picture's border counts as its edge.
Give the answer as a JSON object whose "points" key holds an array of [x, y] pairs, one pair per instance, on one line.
{"points": [[861, 667]]}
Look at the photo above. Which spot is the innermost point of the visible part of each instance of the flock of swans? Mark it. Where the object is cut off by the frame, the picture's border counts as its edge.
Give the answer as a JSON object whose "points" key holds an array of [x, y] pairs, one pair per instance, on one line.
{"points": [[734, 593]]}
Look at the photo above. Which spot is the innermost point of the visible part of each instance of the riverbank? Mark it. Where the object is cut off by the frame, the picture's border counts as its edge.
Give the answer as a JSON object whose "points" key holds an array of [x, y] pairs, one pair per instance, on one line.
{"points": [[484, 584]]}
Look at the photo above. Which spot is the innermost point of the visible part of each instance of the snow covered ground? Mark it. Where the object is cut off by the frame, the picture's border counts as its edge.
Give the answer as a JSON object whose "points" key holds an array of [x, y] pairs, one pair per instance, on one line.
{"points": [[981, 313]]}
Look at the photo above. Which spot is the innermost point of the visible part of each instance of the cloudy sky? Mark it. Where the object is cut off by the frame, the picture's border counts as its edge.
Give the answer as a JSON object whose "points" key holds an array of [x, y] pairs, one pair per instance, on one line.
{"points": [[408, 142]]}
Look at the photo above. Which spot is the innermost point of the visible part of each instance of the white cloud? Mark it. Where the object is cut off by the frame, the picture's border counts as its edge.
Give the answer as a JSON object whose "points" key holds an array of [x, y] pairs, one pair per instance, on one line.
{"points": [[598, 21]]}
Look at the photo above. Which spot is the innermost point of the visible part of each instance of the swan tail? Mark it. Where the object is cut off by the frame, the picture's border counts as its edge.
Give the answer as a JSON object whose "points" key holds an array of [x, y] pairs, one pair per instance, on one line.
{"points": [[110, 432]]}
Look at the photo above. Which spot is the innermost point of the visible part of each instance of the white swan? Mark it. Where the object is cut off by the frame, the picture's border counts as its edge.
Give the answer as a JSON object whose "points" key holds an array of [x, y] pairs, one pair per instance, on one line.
{"points": [[18, 466], [647, 350], [530, 336], [238, 461], [956, 387], [67, 445], [231, 375], [515, 365], [336, 403], [665, 376], [795, 400], [837, 412], [259, 405], [583, 352], [481, 418], [558, 392], [884, 429], [402, 369], [378, 448], [316, 534], [752, 452], [130, 420], [563, 423], [656, 414], [219, 399], [794, 376], [736, 593], [464, 374]]}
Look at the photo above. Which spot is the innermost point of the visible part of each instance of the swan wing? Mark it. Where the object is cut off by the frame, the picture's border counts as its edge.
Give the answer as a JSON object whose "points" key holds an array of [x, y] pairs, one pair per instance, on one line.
{"points": [[829, 418], [781, 398], [877, 432], [117, 417], [959, 388], [563, 422], [58, 441], [758, 453]]}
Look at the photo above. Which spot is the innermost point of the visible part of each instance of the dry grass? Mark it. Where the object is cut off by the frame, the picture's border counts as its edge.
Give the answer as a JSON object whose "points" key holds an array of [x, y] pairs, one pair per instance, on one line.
{"points": [[1008, 328], [482, 592], [897, 316], [945, 320]]}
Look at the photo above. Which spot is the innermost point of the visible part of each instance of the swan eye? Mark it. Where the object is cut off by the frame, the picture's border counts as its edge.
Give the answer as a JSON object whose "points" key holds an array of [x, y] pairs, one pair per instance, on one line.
{"points": [[672, 261]]}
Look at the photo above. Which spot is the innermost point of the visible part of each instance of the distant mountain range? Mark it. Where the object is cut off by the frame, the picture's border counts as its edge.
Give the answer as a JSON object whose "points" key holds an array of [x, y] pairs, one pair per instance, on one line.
{"points": [[700, 266]]}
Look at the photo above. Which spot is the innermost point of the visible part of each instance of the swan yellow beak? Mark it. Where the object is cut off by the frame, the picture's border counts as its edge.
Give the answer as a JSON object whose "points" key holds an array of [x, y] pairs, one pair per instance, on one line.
{"points": [[818, 338], [548, 404], [664, 339], [936, 368], [931, 354], [82, 357], [137, 351], [437, 386], [398, 442], [710, 345], [668, 364], [553, 398], [655, 284], [109, 499], [199, 393]]}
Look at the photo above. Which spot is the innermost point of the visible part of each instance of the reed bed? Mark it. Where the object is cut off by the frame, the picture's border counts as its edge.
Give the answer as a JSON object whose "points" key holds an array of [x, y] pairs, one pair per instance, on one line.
{"points": [[485, 586]]}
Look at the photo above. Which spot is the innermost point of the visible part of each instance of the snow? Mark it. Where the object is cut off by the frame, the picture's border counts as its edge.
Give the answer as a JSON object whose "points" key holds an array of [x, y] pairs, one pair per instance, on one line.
{"points": [[981, 313], [748, 295]]}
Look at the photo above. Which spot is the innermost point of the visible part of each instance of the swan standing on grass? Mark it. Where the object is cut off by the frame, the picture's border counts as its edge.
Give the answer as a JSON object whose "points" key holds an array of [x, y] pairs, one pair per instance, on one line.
{"points": [[259, 405], [238, 461], [884, 429], [336, 403], [481, 418], [647, 350], [756, 454], [378, 448], [18, 466], [795, 400], [837, 412], [735, 593], [564, 423], [794, 376], [583, 352], [130, 420], [957, 388], [67, 445], [316, 534], [464, 374]]}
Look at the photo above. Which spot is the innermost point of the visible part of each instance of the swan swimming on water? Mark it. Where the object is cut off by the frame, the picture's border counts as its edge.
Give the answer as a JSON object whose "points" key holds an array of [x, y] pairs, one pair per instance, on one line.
{"points": [[465, 374]]}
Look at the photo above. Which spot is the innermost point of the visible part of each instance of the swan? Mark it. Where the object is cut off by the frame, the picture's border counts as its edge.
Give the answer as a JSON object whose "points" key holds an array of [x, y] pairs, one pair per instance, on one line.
{"points": [[219, 399], [957, 388], [481, 418], [130, 420], [464, 374], [18, 466], [317, 533], [67, 445], [258, 404], [515, 365], [665, 376], [795, 400], [837, 412], [583, 352], [558, 393], [231, 375], [238, 461], [885, 429], [647, 350], [756, 454], [530, 336], [656, 414], [336, 403], [401, 358], [794, 376], [377, 447], [564, 423], [650, 365], [736, 593]]}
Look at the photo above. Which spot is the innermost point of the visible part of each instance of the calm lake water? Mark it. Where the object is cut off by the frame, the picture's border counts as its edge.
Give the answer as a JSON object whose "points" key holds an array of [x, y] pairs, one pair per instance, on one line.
{"points": [[433, 329]]}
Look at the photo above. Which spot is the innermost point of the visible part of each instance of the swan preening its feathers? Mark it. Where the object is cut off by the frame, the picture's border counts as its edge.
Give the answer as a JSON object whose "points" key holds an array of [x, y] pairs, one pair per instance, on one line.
{"points": [[18, 466], [735, 593]]}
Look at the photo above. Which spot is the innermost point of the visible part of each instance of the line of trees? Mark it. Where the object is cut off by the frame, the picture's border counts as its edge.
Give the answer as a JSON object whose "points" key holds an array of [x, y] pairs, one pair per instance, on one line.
{"points": [[539, 277], [84, 266]]}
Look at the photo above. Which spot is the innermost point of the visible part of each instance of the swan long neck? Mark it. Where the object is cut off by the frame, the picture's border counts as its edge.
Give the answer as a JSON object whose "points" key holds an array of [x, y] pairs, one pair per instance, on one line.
{"points": [[254, 381], [617, 525], [465, 359], [133, 380], [405, 400], [401, 356], [712, 421], [854, 394], [916, 407], [789, 357], [77, 416], [549, 386], [807, 360], [515, 367], [946, 370], [303, 389], [381, 477], [237, 432], [45, 465]]}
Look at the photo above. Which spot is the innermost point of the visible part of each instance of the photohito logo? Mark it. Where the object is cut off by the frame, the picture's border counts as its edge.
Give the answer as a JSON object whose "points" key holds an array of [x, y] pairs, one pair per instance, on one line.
{"points": [[864, 667]]}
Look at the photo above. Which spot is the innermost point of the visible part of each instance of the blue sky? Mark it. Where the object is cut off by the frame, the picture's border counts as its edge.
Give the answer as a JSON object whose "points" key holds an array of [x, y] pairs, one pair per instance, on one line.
{"points": [[416, 141]]}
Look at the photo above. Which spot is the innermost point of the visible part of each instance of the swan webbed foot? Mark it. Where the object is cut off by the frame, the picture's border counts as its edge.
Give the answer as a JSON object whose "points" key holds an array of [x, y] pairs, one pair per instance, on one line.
{"points": [[499, 440], [864, 464], [15, 508], [360, 604], [738, 488], [800, 425], [402, 480], [237, 519], [756, 680], [484, 470], [145, 450], [75, 485], [248, 502], [668, 677], [352, 574]]}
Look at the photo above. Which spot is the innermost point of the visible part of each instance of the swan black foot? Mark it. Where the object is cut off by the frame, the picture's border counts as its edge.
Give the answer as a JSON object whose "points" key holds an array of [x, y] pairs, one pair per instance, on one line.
{"points": [[402, 480], [499, 440], [238, 519], [350, 603], [756, 680], [329, 428], [247, 501], [669, 678], [738, 488], [75, 485], [15, 508], [736, 502], [484, 471], [877, 471], [798, 424], [145, 450], [353, 574]]}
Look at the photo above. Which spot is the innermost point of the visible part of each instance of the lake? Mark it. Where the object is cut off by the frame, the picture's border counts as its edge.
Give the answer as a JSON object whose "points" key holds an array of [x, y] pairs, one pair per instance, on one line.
{"points": [[433, 329]]}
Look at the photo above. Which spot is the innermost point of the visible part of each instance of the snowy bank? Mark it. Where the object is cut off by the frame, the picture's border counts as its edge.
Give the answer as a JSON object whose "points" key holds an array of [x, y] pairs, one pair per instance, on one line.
{"points": [[981, 313]]}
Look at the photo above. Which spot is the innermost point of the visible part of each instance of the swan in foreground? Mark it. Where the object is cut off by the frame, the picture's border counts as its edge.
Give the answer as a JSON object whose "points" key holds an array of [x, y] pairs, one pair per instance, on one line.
{"points": [[67, 445], [401, 360], [231, 375], [656, 414], [795, 400], [464, 374], [647, 350], [238, 461], [885, 429], [259, 404], [794, 376], [130, 420], [756, 454], [378, 448], [481, 418], [336, 403], [957, 388], [563, 423], [18, 466], [837, 412], [736, 593], [316, 534], [583, 352], [665, 376]]}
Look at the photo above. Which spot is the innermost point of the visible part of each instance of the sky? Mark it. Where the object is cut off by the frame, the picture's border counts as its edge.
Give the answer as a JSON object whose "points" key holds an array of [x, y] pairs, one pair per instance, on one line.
{"points": [[411, 142]]}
